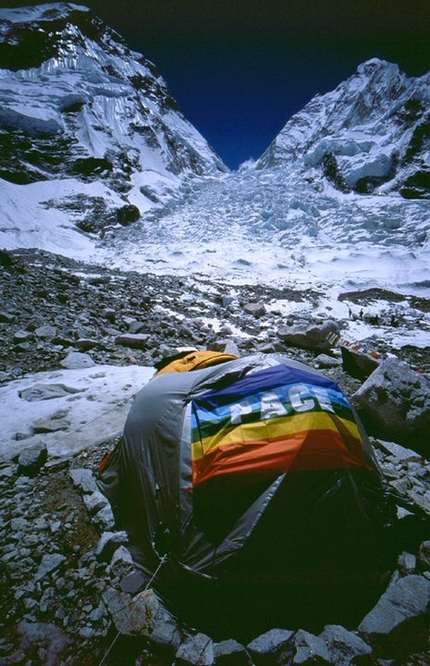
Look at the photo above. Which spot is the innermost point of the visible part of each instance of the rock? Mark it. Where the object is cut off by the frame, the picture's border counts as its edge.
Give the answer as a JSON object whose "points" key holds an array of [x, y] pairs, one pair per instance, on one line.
{"points": [[76, 360], [309, 649], [400, 453], [94, 502], [394, 403], [46, 640], [398, 623], [108, 543], [110, 315], [326, 361], [6, 317], [133, 582], [49, 425], [133, 340], [357, 363], [271, 648], [136, 327], [254, 309], [407, 563], [424, 555], [128, 214], [196, 650], [84, 480], [143, 615], [46, 332], [344, 646], [50, 562], [104, 519], [231, 653], [22, 336], [226, 346], [84, 344], [32, 459], [121, 562], [310, 337]]}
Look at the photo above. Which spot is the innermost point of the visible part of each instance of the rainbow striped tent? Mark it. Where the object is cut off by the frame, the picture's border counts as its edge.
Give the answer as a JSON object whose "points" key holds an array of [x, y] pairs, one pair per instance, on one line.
{"points": [[256, 483]]}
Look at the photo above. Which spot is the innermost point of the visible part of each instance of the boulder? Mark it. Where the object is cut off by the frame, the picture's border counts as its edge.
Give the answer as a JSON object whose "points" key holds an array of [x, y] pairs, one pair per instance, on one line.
{"points": [[108, 543], [94, 502], [104, 519], [271, 648], [142, 615], [46, 332], [398, 624], [314, 336], [50, 562], [39, 392], [128, 214], [394, 403]]}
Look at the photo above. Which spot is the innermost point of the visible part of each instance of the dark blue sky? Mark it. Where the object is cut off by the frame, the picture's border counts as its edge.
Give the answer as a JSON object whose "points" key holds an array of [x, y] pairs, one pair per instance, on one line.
{"points": [[241, 68]]}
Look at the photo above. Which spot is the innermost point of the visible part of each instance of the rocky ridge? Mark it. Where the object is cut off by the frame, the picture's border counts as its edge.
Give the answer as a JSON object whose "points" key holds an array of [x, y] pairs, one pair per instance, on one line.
{"points": [[66, 574]]}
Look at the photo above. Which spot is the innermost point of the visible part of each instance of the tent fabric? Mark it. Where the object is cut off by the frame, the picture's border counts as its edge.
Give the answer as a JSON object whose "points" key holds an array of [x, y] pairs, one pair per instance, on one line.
{"points": [[256, 479], [193, 360]]}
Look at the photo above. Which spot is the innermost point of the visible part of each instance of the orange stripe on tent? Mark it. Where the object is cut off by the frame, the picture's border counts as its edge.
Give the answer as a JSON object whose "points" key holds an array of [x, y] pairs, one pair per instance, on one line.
{"points": [[302, 451]]}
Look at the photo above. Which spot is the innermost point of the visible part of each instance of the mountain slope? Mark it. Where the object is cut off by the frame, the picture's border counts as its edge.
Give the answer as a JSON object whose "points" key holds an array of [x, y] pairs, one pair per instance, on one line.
{"points": [[77, 105]]}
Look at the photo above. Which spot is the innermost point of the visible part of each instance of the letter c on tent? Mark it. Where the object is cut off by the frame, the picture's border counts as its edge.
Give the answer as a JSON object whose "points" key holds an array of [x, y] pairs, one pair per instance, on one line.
{"points": [[297, 396]]}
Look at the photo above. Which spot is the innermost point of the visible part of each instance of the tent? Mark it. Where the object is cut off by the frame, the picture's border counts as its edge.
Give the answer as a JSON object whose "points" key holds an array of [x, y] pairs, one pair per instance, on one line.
{"points": [[253, 482]]}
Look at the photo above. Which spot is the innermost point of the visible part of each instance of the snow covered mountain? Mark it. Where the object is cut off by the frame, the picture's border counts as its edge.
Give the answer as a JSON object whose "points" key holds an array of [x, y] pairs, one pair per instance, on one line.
{"points": [[370, 135], [76, 105]]}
